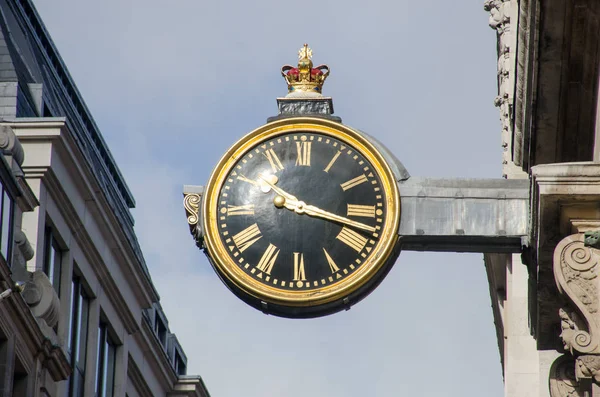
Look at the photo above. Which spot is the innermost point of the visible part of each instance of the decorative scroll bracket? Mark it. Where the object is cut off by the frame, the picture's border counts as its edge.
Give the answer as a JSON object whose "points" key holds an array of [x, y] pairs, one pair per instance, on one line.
{"points": [[576, 274], [192, 197], [563, 379]]}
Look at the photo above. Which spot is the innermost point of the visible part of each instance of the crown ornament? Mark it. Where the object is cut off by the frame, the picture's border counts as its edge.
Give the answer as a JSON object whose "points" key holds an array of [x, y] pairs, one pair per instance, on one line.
{"points": [[304, 81]]}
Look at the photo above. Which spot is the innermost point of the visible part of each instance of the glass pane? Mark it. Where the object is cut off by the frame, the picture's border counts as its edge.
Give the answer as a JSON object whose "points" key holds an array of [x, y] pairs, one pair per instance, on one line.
{"points": [[74, 295], [83, 330], [78, 383], [49, 259], [99, 359], [56, 261], [80, 329], [6, 226], [110, 369], [69, 389], [2, 216], [76, 326], [105, 364], [105, 373]]}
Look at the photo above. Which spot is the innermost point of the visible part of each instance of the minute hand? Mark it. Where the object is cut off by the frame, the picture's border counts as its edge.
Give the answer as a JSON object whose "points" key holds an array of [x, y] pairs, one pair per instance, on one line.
{"points": [[317, 212]]}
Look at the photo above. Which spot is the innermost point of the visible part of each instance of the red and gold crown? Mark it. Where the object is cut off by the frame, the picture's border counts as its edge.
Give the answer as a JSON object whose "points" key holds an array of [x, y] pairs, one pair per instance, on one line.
{"points": [[305, 79]]}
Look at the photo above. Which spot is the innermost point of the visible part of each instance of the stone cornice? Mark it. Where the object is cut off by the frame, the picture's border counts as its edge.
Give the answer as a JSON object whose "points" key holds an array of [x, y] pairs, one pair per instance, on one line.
{"points": [[502, 19], [584, 170], [575, 183], [189, 386], [525, 79]]}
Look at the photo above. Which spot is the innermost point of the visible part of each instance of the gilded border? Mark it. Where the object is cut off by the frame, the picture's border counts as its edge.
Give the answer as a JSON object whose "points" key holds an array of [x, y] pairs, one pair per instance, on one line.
{"points": [[378, 258]]}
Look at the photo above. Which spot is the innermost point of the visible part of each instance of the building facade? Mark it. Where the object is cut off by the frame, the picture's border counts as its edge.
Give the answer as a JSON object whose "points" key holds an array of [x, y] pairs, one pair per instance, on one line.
{"points": [[85, 318], [545, 301]]}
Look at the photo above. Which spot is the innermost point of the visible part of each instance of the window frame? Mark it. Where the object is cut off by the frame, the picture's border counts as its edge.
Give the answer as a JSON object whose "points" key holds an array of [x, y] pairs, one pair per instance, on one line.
{"points": [[8, 185], [106, 362], [6, 234], [77, 334], [53, 258]]}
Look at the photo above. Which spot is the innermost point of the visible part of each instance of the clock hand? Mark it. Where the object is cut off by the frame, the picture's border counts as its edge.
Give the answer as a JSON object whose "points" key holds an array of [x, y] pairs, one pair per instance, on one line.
{"points": [[318, 212], [300, 207], [278, 190]]}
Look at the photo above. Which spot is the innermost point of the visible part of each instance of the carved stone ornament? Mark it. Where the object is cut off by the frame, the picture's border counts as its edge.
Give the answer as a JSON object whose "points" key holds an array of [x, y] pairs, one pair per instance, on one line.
{"points": [[588, 367], [499, 16], [563, 381], [499, 20], [576, 275], [42, 299], [9, 143], [191, 203], [569, 324]]}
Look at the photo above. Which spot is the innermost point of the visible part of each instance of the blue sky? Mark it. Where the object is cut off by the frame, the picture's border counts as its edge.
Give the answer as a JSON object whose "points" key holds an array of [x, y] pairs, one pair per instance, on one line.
{"points": [[173, 84]]}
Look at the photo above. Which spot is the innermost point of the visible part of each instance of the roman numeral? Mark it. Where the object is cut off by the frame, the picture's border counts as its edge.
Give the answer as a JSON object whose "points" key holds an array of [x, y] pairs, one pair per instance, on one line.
{"points": [[268, 259], [332, 161], [246, 209], [303, 153], [367, 211], [352, 239], [332, 266], [299, 274], [243, 178], [354, 182], [247, 237], [273, 160]]}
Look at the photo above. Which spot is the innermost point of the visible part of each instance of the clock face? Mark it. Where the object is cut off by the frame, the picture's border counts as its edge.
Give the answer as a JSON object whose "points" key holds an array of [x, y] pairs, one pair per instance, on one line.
{"points": [[300, 216]]}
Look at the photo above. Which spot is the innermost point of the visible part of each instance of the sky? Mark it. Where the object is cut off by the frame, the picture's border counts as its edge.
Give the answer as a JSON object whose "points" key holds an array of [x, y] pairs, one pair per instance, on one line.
{"points": [[172, 84]]}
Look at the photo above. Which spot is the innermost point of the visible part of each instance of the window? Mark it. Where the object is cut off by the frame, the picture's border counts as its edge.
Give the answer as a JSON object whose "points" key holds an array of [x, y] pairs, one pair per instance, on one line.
{"points": [[52, 260], [105, 369], [77, 342], [6, 221], [160, 329], [6, 361], [20, 380], [179, 364]]}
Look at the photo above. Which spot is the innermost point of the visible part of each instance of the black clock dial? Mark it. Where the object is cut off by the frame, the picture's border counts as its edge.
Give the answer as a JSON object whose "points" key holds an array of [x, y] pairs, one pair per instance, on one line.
{"points": [[301, 211]]}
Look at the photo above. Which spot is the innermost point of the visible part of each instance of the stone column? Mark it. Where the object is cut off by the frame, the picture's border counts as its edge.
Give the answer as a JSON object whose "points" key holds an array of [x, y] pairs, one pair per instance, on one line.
{"points": [[121, 361], [521, 368]]}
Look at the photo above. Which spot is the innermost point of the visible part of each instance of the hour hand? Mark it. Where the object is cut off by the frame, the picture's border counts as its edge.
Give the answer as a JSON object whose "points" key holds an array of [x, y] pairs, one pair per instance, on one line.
{"points": [[271, 180]]}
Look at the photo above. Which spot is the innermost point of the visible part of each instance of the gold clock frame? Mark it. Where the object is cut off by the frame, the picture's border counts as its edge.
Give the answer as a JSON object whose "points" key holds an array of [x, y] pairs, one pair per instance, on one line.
{"points": [[380, 255]]}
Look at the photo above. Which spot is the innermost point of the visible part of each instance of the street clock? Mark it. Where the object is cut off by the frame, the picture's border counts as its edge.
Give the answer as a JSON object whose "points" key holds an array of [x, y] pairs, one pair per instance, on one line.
{"points": [[300, 217]]}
